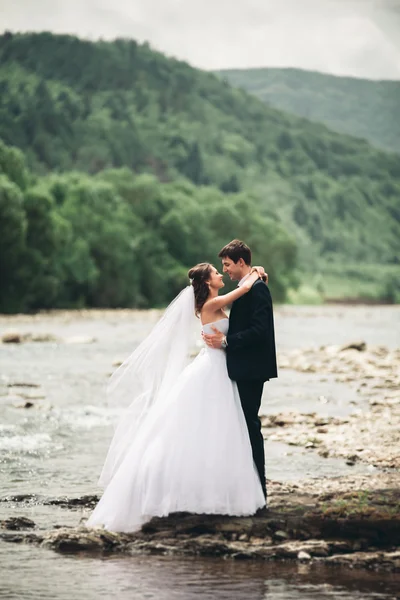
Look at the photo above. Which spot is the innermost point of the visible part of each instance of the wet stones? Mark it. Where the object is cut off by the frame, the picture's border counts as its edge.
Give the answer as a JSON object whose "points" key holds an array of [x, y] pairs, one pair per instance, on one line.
{"points": [[16, 337], [21, 394], [70, 540], [20, 498], [17, 523], [27, 404], [86, 501], [23, 384], [382, 561], [80, 339], [359, 346], [340, 526], [11, 337], [280, 536], [303, 556], [374, 422]]}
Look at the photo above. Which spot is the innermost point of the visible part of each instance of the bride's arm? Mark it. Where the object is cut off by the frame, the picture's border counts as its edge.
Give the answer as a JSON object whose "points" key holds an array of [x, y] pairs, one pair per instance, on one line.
{"points": [[222, 301]]}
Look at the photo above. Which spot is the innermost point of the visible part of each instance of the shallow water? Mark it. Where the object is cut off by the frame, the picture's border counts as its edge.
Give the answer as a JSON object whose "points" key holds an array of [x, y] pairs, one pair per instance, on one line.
{"points": [[44, 575], [57, 448]]}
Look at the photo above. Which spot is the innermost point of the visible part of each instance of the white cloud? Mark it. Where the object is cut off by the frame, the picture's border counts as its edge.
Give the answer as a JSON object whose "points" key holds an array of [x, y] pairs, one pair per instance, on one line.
{"points": [[344, 37]]}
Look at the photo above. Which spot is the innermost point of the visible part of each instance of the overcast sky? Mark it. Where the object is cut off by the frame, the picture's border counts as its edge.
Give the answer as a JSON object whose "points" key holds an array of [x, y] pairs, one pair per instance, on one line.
{"points": [[344, 37]]}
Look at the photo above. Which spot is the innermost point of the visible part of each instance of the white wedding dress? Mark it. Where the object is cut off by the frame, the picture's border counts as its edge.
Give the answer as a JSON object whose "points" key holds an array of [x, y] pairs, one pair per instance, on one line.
{"points": [[191, 454]]}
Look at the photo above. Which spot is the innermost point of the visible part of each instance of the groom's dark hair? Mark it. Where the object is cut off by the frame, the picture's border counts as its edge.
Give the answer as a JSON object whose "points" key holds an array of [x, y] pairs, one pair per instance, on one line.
{"points": [[236, 250]]}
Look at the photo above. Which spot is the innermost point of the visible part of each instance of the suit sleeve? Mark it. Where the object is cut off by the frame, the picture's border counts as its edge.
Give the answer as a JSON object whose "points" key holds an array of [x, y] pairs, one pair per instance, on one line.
{"points": [[257, 331]]}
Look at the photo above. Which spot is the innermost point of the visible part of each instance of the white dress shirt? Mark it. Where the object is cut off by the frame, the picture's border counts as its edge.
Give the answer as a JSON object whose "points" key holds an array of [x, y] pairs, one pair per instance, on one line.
{"points": [[241, 282]]}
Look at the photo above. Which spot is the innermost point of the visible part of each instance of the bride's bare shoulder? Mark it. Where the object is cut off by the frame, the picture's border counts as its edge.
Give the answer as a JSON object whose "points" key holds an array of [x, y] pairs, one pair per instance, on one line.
{"points": [[210, 315]]}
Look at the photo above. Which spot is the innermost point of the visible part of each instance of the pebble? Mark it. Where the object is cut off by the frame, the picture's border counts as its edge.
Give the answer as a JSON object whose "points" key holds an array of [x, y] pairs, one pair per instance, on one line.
{"points": [[80, 339], [303, 555], [11, 337]]}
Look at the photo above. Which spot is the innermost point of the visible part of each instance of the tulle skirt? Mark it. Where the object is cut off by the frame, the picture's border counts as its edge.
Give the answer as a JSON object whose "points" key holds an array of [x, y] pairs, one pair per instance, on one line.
{"points": [[192, 453]]}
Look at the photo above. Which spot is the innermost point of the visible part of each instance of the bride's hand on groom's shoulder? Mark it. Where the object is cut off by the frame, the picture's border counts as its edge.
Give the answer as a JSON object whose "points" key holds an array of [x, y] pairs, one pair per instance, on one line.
{"points": [[261, 273]]}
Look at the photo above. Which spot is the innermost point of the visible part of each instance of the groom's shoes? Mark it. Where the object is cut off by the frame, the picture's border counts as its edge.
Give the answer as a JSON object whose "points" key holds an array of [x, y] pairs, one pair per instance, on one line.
{"points": [[262, 512]]}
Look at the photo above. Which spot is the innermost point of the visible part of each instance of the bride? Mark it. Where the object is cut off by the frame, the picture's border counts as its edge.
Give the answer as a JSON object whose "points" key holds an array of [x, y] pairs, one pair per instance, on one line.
{"points": [[182, 444]]}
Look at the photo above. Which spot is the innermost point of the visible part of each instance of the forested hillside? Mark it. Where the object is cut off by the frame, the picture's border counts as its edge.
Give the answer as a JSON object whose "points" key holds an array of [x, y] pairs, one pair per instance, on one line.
{"points": [[132, 157], [359, 107], [119, 239]]}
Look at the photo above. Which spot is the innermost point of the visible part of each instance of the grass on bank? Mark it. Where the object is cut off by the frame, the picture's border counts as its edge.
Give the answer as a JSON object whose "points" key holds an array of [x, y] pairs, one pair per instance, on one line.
{"points": [[373, 283]]}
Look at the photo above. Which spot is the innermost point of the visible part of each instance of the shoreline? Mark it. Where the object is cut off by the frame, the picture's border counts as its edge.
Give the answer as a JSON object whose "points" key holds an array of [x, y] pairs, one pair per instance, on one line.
{"points": [[303, 524], [90, 312]]}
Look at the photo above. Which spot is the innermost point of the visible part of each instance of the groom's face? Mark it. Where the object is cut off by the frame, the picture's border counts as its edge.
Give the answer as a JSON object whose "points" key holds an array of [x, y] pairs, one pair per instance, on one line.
{"points": [[234, 270]]}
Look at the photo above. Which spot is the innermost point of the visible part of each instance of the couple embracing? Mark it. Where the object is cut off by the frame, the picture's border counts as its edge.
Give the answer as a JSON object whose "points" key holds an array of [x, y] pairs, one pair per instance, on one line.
{"points": [[190, 438]]}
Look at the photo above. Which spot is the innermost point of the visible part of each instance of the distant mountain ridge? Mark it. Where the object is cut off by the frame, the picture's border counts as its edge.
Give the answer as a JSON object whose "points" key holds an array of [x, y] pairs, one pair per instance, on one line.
{"points": [[359, 107]]}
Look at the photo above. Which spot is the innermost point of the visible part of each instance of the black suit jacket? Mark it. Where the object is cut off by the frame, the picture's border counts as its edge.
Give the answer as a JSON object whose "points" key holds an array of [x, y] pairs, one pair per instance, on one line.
{"points": [[251, 354]]}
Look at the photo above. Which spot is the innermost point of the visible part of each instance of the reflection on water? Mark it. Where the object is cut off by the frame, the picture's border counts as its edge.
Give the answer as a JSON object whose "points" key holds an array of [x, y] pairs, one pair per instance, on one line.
{"points": [[139, 577], [58, 446]]}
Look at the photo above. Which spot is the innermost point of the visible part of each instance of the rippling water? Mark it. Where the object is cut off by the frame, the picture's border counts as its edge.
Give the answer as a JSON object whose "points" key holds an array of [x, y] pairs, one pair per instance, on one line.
{"points": [[44, 575], [57, 447]]}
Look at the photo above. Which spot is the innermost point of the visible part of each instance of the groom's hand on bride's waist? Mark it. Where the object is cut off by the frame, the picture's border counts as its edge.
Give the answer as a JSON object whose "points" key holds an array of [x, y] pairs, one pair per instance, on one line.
{"points": [[213, 340]]}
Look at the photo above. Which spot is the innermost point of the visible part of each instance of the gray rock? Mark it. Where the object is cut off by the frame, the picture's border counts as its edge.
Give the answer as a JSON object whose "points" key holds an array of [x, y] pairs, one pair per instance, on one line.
{"points": [[17, 523]]}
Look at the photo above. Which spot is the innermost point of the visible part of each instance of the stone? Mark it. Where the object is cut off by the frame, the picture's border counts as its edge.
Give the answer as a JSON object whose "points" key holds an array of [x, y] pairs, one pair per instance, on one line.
{"points": [[352, 459], [27, 404], [23, 384], [281, 535], [360, 346], [17, 523], [303, 556], [80, 339], [86, 501], [32, 396], [11, 337], [40, 337], [67, 540], [15, 337], [323, 453]]}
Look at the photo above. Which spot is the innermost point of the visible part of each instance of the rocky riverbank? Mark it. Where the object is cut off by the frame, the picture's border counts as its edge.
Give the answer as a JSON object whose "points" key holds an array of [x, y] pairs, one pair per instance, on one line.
{"points": [[358, 528], [371, 433], [352, 521]]}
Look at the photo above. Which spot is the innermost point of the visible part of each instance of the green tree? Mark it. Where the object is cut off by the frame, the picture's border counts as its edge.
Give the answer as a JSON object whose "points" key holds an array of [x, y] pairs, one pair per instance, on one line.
{"points": [[13, 225]]}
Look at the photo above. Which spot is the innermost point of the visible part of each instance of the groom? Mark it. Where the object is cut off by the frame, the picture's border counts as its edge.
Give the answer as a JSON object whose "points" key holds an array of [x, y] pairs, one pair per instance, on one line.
{"points": [[249, 344]]}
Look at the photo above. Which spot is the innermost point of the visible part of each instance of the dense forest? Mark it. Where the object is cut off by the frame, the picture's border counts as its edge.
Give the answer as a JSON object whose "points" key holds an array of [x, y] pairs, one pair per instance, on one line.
{"points": [[359, 107], [119, 239], [121, 168]]}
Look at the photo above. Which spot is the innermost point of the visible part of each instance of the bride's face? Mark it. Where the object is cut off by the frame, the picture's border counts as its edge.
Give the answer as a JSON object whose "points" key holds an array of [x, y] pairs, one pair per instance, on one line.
{"points": [[216, 279]]}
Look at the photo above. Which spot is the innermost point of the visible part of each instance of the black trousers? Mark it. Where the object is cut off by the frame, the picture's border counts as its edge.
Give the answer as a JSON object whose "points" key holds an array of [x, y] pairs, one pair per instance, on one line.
{"points": [[250, 397]]}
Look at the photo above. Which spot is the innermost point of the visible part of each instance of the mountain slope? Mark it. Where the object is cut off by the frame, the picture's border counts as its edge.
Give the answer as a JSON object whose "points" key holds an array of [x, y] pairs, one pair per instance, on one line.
{"points": [[77, 105], [359, 107]]}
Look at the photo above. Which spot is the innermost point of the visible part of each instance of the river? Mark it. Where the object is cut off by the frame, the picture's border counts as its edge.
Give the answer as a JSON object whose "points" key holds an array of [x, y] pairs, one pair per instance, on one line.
{"points": [[56, 448]]}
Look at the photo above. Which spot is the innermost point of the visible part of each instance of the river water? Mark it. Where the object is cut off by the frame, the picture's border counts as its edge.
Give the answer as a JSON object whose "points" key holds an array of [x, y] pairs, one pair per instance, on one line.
{"points": [[56, 448]]}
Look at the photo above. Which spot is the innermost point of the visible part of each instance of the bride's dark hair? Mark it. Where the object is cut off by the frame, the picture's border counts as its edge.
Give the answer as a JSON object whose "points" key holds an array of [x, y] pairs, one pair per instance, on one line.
{"points": [[199, 275]]}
